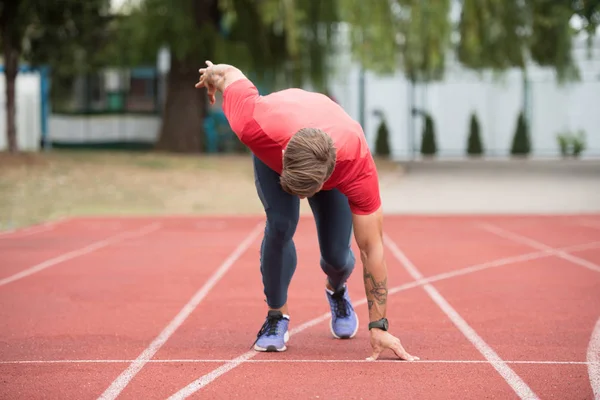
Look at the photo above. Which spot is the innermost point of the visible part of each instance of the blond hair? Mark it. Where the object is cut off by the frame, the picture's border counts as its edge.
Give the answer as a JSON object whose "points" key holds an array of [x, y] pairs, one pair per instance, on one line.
{"points": [[308, 161]]}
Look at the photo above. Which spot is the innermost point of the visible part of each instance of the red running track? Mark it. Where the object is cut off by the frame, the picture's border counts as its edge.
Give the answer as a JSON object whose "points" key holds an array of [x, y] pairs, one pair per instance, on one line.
{"points": [[495, 306]]}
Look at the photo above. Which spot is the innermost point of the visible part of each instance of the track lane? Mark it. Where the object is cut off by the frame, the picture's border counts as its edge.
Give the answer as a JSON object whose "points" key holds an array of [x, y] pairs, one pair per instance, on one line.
{"points": [[108, 305]]}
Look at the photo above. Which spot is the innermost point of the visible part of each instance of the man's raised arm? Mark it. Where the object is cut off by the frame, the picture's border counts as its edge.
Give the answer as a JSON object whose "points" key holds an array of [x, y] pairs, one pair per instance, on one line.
{"points": [[217, 78]]}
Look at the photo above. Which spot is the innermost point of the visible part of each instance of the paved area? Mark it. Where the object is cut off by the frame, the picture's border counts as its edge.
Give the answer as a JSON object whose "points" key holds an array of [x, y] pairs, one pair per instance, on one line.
{"points": [[451, 187]]}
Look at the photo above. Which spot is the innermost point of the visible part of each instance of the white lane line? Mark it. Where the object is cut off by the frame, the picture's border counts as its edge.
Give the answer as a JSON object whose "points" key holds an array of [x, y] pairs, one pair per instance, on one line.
{"points": [[492, 264], [297, 361], [80, 252], [593, 352], [126, 376], [231, 364], [515, 382], [31, 230], [538, 245], [26, 232], [593, 359]]}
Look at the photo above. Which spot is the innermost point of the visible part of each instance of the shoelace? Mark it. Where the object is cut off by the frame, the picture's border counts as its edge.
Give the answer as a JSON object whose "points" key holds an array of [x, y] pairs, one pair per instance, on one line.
{"points": [[340, 305], [270, 327]]}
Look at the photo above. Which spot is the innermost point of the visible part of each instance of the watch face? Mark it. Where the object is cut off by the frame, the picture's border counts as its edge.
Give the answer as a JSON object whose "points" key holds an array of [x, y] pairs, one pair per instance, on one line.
{"points": [[381, 324]]}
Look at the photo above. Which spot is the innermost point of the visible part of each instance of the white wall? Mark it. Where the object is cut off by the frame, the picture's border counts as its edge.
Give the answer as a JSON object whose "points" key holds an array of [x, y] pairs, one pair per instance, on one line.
{"points": [[28, 103], [497, 102], [77, 129]]}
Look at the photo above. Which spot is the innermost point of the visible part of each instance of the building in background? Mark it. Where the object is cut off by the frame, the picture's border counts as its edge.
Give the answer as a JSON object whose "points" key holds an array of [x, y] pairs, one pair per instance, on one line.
{"points": [[551, 109]]}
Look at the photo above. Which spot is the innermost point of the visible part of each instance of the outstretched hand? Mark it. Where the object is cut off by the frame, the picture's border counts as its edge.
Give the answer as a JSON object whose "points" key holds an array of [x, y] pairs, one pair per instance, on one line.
{"points": [[382, 340], [204, 82]]}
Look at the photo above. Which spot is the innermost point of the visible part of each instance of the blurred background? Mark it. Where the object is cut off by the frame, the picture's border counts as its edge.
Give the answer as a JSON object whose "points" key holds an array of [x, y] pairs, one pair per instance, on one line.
{"points": [[468, 105]]}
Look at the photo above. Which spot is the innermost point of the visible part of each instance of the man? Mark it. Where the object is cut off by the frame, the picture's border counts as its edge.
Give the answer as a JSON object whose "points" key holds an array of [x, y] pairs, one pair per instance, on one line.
{"points": [[306, 146]]}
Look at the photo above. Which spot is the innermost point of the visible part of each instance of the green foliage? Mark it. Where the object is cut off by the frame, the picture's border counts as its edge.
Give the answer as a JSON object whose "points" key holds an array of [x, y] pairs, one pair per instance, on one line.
{"points": [[579, 144], [382, 143], [64, 35], [521, 144], [492, 34], [412, 34], [270, 39], [571, 144], [551, 38], [563, 144], [500, 34], [152, 24], [589, 12], [428, 142], [474, 145]]}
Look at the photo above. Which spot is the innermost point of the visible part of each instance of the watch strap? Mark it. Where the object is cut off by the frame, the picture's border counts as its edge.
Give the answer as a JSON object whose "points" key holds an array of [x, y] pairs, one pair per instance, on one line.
{"points": [[379, 324]]}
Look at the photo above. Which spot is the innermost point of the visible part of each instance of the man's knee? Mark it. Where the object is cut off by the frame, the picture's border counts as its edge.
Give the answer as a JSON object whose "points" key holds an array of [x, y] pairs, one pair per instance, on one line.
{"points": [[281, 228], [338, 259]]}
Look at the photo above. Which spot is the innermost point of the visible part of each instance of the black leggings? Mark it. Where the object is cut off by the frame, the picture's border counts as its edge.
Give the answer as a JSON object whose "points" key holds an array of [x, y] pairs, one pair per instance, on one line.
{"points": [[278, 260]]}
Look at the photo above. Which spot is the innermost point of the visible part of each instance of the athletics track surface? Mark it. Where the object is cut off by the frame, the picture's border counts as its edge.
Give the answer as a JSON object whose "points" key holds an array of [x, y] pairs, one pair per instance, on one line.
{"points": [[154, 308]]}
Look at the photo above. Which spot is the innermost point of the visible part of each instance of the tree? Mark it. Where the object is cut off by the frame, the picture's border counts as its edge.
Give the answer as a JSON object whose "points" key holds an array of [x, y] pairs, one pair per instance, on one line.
{"points": [[500, 34], [492, 34], [11, 46], [428, 142], [411, 34], [276, 42], [40, 31], [552, 34], [521, 144], [382, 143], [474, 143]]}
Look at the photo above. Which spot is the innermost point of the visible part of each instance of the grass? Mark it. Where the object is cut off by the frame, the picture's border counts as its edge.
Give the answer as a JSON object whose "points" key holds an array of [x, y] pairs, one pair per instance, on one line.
{"points": [[46, 186]]}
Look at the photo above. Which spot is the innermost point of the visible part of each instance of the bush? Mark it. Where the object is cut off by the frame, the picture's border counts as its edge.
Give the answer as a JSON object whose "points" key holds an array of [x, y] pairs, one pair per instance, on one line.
{"points": [[579, 144], [382, 143], [428, 144], [474, 145], [563, 143], [571, 144], [521, 144]]}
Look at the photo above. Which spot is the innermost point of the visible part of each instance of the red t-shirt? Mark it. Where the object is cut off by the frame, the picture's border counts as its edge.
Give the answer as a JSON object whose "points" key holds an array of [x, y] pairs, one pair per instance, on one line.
{"points": [[266, 124]]}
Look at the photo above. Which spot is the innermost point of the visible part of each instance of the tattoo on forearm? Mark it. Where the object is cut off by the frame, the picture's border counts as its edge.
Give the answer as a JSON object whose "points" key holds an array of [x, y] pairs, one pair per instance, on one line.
{"points": [[377, 290]]}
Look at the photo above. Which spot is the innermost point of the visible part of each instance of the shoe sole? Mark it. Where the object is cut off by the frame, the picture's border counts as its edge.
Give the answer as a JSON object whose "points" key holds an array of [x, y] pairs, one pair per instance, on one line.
{"points": [[273, 349], [344, 337]]}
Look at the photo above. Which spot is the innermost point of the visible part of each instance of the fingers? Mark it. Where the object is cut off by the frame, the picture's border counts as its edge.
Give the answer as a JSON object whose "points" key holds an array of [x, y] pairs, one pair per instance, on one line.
{"points": [[203, 70], [375, 355], [202, 82], [392, 343], [401, 353]]}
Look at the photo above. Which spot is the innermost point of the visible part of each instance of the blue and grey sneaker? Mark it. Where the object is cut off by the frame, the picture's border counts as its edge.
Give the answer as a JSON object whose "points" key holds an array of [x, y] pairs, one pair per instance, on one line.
{"points": [[274, 334], [344, 321]]}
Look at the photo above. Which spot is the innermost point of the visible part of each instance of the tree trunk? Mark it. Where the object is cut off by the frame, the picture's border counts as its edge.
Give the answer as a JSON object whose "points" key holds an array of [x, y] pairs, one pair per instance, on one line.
{"points": [[182, 127], [185, 107], [11, 68]]}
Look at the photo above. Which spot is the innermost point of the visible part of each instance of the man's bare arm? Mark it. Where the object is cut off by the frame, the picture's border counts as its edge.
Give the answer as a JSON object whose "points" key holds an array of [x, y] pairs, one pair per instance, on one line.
{"points": [[369, 237], [217, 78], [368, 232]]}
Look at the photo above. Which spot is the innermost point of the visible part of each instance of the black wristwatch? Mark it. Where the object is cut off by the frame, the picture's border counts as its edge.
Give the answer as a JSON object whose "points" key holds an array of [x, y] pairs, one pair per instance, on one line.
{"points": [[381, 324]]}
